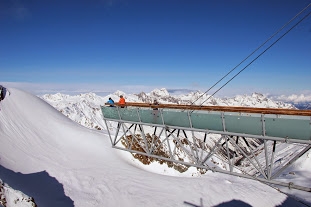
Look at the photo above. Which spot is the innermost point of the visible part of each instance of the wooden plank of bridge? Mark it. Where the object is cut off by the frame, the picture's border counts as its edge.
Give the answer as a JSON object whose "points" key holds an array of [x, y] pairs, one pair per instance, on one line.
{"points": [[223, 108]]}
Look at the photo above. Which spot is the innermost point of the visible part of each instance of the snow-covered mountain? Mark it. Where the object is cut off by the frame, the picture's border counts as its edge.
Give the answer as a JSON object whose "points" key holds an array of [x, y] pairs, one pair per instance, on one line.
{"points": [[61, 163], [303, 105], [85, 108], [9, 196]]}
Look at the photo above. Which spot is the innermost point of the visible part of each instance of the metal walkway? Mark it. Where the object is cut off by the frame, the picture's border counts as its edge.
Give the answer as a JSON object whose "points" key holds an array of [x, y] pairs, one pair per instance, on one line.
{"points": [[242, 137]]}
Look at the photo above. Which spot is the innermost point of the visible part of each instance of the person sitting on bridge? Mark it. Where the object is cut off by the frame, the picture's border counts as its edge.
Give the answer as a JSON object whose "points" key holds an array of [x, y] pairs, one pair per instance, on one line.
{"points": [[122, 101], [110, 102]]}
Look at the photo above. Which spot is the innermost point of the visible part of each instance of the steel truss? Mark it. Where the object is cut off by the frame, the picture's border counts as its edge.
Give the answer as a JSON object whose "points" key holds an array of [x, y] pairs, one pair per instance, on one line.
{"points": [[252, 157]]}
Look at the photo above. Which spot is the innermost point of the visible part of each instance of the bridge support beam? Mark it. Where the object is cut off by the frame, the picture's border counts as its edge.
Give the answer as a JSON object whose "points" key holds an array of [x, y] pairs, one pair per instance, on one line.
{"points": [[257, 157]]}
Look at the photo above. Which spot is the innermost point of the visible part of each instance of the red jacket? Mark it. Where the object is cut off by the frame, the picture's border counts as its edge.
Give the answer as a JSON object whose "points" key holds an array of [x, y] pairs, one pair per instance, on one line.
{"points": [[122, 101]]}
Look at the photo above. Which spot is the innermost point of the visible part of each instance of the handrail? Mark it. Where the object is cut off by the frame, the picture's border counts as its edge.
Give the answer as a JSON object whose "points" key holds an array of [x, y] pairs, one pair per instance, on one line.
{"points": [[222, 108]]}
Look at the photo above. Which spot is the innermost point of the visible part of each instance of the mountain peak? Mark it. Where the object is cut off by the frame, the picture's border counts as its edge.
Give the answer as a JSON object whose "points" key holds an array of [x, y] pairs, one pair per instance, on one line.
{"points": [[160, 93], [119, 93]]}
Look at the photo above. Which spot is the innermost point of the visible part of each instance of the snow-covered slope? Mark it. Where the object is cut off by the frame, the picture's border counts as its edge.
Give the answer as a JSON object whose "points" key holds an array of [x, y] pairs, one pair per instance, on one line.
{"points": [[62, 163]]}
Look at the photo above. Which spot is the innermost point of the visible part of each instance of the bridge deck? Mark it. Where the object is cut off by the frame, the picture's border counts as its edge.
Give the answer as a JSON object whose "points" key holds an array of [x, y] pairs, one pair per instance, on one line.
{"points": [[282, 123]]}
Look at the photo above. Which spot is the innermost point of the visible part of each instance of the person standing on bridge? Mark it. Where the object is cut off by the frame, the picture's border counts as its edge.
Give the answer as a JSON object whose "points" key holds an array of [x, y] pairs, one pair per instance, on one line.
{"points": [[155, 102], [122, 102], [155, 112]]}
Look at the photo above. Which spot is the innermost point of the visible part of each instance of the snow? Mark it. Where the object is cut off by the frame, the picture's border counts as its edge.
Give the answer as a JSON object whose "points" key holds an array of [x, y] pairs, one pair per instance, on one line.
{"points": [[59, 162]]}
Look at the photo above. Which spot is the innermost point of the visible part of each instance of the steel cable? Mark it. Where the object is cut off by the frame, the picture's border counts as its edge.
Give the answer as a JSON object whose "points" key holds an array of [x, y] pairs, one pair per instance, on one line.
{"points": [[255, 57], [252, 54]]}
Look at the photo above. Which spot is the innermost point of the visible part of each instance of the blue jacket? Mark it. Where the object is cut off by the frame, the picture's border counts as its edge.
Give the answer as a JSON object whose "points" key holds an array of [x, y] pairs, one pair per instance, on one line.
{"points": [[110, 101]]}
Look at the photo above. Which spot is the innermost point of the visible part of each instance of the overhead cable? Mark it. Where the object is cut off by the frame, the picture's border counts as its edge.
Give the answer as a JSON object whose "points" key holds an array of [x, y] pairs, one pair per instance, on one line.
{"points": [[257, 56], [252, 54]]}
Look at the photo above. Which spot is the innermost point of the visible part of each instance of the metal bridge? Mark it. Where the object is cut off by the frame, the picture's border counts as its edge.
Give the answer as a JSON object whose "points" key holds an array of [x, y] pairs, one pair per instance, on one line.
{"points": [[245, 139]]}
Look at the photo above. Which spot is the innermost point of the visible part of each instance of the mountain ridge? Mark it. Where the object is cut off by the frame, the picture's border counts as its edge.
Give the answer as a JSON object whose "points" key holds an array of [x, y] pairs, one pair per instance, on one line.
{"points": [[85, 108]]}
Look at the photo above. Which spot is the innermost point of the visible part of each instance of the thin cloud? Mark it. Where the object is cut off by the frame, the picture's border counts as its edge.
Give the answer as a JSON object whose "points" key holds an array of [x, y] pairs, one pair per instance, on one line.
{"points": [[294, 98], [16, 10], [21, 13], [52, 88]]}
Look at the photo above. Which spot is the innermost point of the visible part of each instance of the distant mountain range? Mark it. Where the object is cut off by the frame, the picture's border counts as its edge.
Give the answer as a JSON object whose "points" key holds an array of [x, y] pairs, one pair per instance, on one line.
{"points": [[303, 106], [85, 108]]}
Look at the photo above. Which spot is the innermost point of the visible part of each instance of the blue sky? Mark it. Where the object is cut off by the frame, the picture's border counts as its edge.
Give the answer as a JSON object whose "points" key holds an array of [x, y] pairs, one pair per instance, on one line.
{"points": [[139, 45]]}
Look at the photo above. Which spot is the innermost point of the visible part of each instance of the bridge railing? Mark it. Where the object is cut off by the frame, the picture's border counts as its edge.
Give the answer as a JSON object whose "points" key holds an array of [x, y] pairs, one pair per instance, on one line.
{"points": [[297, 127]]}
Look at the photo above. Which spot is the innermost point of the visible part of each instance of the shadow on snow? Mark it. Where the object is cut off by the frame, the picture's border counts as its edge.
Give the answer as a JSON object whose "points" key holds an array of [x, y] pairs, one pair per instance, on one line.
{"points": [[237, 203], [45, 190]]}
